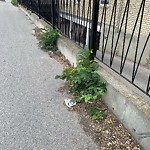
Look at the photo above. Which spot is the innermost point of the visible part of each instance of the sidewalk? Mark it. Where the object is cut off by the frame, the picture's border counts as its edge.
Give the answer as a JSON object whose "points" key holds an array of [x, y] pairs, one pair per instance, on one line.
{"points": [[32, 114]]}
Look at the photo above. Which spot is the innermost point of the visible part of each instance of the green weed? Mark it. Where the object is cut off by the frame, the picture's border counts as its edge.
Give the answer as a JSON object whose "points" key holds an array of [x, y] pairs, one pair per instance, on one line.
{"points": [[85, 82], [48, 40], [14, 2], [94, 112]]}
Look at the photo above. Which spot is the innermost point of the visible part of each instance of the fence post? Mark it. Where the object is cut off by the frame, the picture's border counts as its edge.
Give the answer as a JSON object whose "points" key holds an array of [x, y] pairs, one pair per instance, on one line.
{"points": [[53, 13], [39, 6], [92, 44]]}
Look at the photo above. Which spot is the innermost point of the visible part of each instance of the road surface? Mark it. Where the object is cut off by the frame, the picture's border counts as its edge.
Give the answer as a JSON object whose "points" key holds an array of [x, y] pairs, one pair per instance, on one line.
{"points": [[32, 115]]}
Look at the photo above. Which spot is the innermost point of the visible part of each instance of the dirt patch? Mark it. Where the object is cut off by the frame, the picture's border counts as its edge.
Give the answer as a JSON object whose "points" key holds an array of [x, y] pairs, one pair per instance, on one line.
{"points": [[60, 58], [108, 133], [37, 32]]}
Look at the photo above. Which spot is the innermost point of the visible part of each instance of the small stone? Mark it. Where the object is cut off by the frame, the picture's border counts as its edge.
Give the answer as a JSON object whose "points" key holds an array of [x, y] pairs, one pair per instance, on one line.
{"points": [[109, 144], [50, 53], [98, 129], [106, 131], [127, 142]]}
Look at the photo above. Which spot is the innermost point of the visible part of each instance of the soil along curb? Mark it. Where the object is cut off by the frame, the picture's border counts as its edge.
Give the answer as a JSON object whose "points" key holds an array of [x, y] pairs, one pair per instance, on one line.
{"points": [[131, 108]]}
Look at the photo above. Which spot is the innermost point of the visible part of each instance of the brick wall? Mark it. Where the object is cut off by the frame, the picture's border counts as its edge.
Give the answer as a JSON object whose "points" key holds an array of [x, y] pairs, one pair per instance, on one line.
{"points": [[133, 12], [78, 10]]}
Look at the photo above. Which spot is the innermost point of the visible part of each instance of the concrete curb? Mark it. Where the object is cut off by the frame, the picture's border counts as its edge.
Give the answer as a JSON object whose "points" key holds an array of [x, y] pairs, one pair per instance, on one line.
{"points": [[131, 108]]}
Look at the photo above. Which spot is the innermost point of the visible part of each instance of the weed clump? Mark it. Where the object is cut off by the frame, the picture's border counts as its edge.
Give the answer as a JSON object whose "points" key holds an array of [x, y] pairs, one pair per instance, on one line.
{"points": [[14, 2], [48, 40], [85, 83]]}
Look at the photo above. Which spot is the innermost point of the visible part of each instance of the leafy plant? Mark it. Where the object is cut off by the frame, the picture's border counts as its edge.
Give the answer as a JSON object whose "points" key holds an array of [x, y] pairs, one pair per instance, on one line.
{"points": [[84, 80], [14, 2], [48, 40], [94, 112]]}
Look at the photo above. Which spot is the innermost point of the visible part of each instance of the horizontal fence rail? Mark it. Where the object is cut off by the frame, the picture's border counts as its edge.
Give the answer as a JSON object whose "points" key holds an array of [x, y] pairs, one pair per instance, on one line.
{"points": [[117, 31]]}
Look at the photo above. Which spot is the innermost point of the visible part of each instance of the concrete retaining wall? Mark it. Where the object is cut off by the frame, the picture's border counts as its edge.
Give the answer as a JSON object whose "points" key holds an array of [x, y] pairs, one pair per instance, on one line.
{"points": [[129, 105]]}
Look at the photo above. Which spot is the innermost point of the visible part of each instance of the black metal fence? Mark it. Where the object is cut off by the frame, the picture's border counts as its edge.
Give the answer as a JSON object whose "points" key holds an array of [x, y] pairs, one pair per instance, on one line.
{"points": [[116, 38], [124, 46]]}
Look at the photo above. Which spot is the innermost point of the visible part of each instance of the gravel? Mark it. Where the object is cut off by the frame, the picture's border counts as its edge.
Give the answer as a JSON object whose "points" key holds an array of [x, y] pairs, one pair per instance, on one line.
{"points": [[32, 115]]}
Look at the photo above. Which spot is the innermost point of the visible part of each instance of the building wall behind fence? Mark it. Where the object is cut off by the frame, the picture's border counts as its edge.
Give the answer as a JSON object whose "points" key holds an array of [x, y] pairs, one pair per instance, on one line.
{"points": [[132, 16], [85, 7], [133, 11]]}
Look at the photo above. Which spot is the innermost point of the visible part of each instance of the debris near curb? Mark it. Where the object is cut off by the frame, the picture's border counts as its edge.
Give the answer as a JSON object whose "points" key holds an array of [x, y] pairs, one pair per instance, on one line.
{"points": [[69, 103], [37, 32], [109, 133]]}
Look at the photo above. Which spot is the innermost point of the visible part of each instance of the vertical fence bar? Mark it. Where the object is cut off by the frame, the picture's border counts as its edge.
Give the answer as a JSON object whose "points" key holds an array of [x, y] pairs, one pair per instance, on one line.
{"points": [[53, 13], [39, 8], [148, 85], [57, 12], [137, 45], [94, 27], [30, 4], [27, 4]]}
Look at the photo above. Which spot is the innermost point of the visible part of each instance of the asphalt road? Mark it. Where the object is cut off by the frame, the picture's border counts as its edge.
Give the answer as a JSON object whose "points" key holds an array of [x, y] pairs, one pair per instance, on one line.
{"points": [[32, 114]]}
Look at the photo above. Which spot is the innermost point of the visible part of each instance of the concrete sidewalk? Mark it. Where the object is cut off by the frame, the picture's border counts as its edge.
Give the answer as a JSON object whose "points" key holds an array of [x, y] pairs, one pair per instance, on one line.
{"points": [[32, 115]]}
